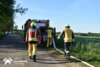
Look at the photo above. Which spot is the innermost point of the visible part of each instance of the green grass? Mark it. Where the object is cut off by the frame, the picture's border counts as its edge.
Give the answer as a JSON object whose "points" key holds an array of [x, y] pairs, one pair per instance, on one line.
{"points": [[89, 52], [95, 63], [87, 49]]}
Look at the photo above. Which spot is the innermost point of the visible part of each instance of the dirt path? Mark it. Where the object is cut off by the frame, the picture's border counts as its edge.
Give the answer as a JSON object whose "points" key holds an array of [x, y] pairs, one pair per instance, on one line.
{"points": [[13, 46]]}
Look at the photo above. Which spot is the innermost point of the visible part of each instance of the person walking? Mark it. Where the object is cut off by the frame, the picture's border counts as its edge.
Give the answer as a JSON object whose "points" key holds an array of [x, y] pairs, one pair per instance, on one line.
{"points": [[31, 38], [68, 39], [49, 36]]}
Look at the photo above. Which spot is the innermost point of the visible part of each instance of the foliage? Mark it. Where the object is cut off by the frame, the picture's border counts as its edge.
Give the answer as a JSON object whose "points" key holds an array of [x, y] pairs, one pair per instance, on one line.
{"points": [[20, 9], [89, 34], [7, 13], [87, 51], [1, 35], [84, 48]]}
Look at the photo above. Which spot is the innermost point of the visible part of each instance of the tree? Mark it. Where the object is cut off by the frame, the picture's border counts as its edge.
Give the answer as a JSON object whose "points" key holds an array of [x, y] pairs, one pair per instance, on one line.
{"points": [[20, 9], [7, 13]]}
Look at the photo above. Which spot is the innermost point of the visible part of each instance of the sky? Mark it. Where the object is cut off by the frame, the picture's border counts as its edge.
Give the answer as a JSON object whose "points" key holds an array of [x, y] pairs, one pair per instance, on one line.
{"points": [[82, 15]]}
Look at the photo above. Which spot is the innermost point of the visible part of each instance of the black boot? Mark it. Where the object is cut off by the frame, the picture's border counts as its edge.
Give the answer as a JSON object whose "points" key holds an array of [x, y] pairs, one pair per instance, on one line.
{"points": [[65, 54], [30, 57], [34, 58], [68, 54]]}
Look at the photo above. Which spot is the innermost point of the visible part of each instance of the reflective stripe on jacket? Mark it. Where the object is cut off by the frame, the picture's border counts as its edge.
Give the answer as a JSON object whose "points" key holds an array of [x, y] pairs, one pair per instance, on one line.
{"points": [[32, 34]]}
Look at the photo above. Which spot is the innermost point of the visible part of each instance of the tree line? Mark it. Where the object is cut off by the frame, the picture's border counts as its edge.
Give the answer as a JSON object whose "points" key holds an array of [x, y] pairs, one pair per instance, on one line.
{"points": [[7, 14], [88, 34]]}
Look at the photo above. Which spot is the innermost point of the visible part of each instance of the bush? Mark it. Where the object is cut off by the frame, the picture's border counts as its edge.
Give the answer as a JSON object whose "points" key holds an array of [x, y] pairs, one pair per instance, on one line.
{"points": [[1, 35]]}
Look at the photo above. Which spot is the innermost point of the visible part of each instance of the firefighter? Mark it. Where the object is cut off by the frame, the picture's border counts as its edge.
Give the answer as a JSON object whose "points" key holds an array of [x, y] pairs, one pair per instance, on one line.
{"points": [[68, 39], [31, 37], [49, 36]]}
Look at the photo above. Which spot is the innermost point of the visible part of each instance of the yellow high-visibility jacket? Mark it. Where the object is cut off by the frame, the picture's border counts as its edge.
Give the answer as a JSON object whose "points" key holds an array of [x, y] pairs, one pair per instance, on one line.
{"points": [[49, 32], [68, 35]]}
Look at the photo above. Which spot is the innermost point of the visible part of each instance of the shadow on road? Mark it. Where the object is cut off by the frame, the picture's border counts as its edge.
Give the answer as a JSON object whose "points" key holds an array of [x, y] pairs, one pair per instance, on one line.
{"points": [[13, 41], [48, 61]]}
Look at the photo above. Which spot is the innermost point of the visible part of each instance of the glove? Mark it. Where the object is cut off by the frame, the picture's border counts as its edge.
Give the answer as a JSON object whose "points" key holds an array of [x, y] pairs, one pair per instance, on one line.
{"points": [[58, 37]]}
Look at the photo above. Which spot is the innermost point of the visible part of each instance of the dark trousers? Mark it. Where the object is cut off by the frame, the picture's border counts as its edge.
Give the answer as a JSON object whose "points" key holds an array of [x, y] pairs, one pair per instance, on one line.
{"points": [[67, 46]]}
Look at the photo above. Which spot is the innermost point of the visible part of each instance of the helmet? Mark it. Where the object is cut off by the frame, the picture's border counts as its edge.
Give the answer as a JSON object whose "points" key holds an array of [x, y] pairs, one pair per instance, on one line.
{"points": [[67, 26], [29, 20], [49, 26], [33, 24]]}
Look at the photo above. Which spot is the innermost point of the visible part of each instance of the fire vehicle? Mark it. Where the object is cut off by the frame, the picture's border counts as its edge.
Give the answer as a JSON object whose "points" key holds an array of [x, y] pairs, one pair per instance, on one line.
{"points": [[42, 26]]}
